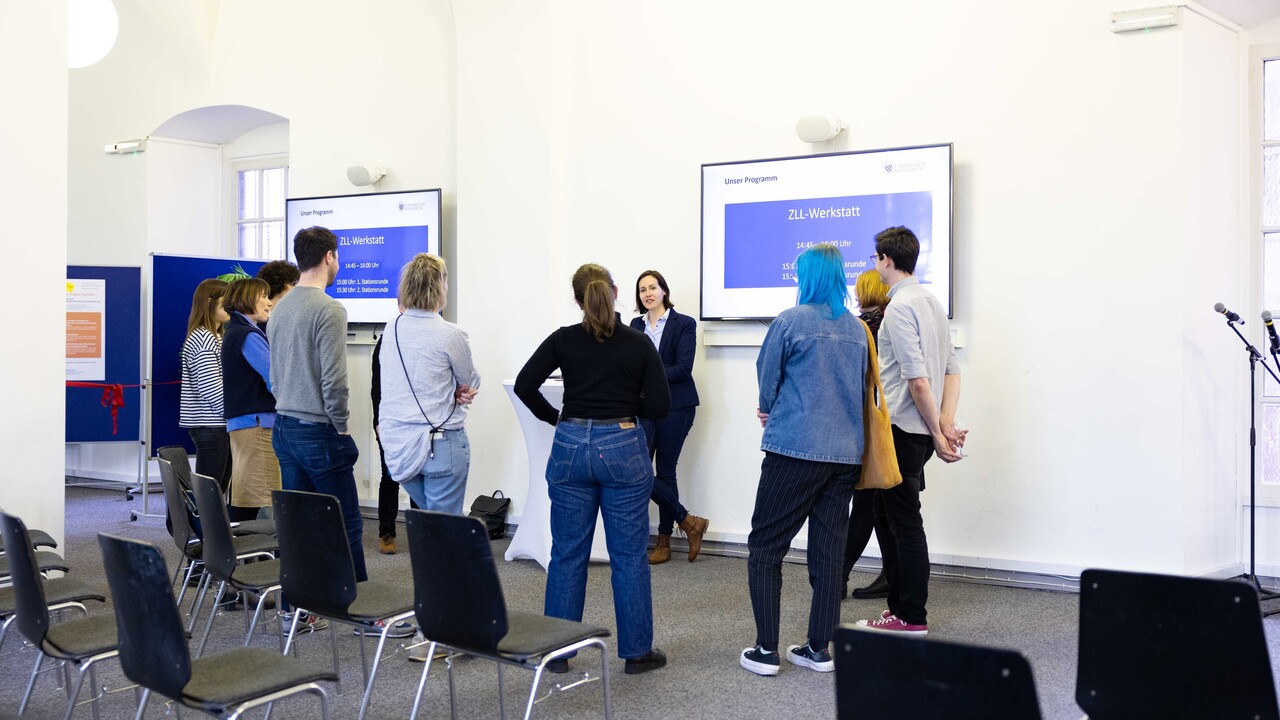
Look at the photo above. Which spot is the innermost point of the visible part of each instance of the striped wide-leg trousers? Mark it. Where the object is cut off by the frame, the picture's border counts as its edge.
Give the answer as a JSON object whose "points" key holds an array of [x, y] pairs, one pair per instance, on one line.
{"points": [[792, 491]]}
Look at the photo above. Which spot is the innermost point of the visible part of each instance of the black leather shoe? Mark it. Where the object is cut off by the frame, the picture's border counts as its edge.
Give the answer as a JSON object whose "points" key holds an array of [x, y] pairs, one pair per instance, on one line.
{"points": [[651, 660], [558, 666], [879, 588]]}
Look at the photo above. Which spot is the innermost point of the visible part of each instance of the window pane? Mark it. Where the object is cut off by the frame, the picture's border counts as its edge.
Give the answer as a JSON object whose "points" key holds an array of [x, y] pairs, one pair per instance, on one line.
{"points": [[1271, 100], [273, 240], [1270, 301], [249, 208], [1270, 186], [273, 192], [249, 240], [1269, 445]]}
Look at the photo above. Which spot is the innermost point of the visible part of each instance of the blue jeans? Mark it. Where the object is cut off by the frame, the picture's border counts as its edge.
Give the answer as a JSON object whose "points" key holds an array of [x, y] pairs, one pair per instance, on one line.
{"points": [[315, 458], [666, 439], [442, 483], [604, 468]]}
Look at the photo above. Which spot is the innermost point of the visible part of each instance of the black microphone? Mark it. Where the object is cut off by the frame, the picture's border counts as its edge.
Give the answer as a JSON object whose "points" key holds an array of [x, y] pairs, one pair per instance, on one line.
{"points": [[1232, 317], [1271, 330]]}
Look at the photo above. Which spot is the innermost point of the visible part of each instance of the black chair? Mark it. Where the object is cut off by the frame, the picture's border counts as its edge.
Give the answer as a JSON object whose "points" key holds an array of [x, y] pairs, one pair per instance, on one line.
{"points": [[459, 604], [883, 677], [80, 641], [61, 593], [153, 646], [177, 456], [225, 564], [318, 576], [1160, 646], [191, 546], [44, 559], [39, 539]]}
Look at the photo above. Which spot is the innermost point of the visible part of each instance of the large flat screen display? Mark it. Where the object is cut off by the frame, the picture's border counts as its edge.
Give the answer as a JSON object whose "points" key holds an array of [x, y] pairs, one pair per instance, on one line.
{"points": [[759, 215], [377, 234]]}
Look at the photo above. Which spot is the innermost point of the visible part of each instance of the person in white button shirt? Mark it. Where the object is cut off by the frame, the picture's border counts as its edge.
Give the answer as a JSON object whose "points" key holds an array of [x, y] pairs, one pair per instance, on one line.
{"points": [[428, 379], [921, 389]]}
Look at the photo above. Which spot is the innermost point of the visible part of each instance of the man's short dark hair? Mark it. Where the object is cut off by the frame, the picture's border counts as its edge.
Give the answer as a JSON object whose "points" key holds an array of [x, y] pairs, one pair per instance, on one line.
{"points": [[278, 274], [311, 244], [900, 244]]}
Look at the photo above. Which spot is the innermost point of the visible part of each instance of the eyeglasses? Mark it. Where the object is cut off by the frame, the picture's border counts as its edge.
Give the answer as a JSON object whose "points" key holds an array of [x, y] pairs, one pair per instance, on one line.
{"points": [[875, 256]]}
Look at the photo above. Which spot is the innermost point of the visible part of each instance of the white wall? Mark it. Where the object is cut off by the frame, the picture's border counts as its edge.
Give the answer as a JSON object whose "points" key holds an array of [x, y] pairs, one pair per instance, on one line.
{"points": [[1077, 154], [1090, 169], [385, 92], [33, 37]]}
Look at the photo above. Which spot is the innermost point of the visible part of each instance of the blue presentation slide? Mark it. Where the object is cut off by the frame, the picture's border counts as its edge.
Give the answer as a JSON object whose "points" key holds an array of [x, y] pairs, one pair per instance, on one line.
{"points": [[370, 260], [763, 239]]}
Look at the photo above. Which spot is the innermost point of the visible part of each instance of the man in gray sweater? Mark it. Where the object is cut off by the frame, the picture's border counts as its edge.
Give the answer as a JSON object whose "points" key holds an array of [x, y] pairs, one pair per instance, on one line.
{"points": [[308, 335]]}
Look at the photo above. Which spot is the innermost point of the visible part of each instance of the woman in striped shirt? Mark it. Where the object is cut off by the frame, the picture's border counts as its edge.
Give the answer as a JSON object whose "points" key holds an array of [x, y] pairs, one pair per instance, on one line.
{"points": [[201, 409]]}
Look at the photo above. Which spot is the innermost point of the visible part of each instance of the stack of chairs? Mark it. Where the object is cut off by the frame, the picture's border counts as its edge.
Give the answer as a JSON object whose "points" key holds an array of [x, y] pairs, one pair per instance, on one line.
{"points": [[80, 642]]}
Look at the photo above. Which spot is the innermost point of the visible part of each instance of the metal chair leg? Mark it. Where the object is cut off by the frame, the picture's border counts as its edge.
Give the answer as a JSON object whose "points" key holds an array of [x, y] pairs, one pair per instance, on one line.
{"points": [[22, 708], [453, 695], [4, 629], [257, 613], [373, 674], [198, 603], [142, 704], [293, 628], [333, 650], [213, 613], [73, 695], [604, 677], [364, 661], [422, 682]]}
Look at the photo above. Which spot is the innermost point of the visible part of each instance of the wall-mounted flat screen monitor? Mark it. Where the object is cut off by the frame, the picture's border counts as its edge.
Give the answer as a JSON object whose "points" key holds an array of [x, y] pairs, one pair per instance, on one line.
{"points": [[759, 215], [377, 234]]}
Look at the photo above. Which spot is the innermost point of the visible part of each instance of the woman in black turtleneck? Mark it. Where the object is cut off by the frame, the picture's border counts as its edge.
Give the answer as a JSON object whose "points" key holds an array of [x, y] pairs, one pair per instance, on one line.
{"points": [[600, 461]]}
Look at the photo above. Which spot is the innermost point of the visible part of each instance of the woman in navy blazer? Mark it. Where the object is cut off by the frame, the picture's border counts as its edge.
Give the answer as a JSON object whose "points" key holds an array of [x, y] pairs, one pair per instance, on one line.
{"points": [[675, 336]]}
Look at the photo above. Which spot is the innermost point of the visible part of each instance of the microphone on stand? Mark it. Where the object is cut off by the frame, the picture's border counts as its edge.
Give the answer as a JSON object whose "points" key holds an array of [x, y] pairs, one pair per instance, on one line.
{"points": [[1271, 331], [1231, 317]]}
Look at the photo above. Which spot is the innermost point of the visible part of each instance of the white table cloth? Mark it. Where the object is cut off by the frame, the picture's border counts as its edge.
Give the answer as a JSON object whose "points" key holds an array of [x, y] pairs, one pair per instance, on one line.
{"points": [[533, 536]]}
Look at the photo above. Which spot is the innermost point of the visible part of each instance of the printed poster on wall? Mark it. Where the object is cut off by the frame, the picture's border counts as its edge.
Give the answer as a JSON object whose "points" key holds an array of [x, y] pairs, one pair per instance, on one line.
{"points": [[86, 342]]}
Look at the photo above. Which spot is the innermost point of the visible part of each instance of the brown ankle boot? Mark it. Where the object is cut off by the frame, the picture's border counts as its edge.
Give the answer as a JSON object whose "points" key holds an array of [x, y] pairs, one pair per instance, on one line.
{"points": [[694, 528], [662, 551]]}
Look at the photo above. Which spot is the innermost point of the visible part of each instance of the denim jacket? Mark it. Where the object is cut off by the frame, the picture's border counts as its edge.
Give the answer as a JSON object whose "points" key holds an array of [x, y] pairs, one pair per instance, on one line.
{"points": [[811, 371]]}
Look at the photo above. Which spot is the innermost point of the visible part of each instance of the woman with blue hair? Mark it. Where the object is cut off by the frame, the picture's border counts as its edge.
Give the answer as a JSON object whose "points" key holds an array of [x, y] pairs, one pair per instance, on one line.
{"points": [[811, 371]]}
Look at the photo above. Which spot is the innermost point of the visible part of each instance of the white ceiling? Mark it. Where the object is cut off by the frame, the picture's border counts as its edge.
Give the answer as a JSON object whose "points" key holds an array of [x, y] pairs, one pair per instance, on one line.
{"points": [[1247, 13], [216, 124]]}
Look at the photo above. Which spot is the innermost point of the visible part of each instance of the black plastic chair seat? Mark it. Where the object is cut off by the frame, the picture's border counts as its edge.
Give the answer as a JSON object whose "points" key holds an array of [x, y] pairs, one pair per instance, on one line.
{"points": [[81, 637], [239, 674], [254, 527], [56, 591], [39, 538], [257, 575], [375, 600], [530, 635], [255, 543], [45, 561]]}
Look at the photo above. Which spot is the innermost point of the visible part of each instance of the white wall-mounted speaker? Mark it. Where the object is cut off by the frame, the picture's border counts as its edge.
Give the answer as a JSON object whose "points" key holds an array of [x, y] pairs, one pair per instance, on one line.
{"points": [[366, 173], [818, 128]]}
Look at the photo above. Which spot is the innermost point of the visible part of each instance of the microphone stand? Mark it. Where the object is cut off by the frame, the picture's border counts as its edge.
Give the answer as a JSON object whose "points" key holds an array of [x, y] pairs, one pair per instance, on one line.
{"points": [[1255, 357]]}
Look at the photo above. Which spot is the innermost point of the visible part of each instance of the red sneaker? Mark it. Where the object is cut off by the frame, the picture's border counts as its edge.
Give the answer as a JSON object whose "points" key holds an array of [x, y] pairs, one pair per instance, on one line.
{"points": [[887, 623]]}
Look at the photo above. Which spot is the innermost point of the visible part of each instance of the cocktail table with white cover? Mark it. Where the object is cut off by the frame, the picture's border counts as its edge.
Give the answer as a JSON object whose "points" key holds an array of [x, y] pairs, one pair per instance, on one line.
{"points": [[533, 535]]}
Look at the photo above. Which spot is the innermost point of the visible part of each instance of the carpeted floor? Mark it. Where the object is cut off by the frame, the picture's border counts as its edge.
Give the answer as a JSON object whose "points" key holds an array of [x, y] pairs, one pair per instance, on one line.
{"points": [[702, 620]]}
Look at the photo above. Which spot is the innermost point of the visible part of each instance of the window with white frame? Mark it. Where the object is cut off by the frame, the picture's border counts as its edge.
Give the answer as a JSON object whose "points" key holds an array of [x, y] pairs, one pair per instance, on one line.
{"points": [[1269, 223], [260, 194]]}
